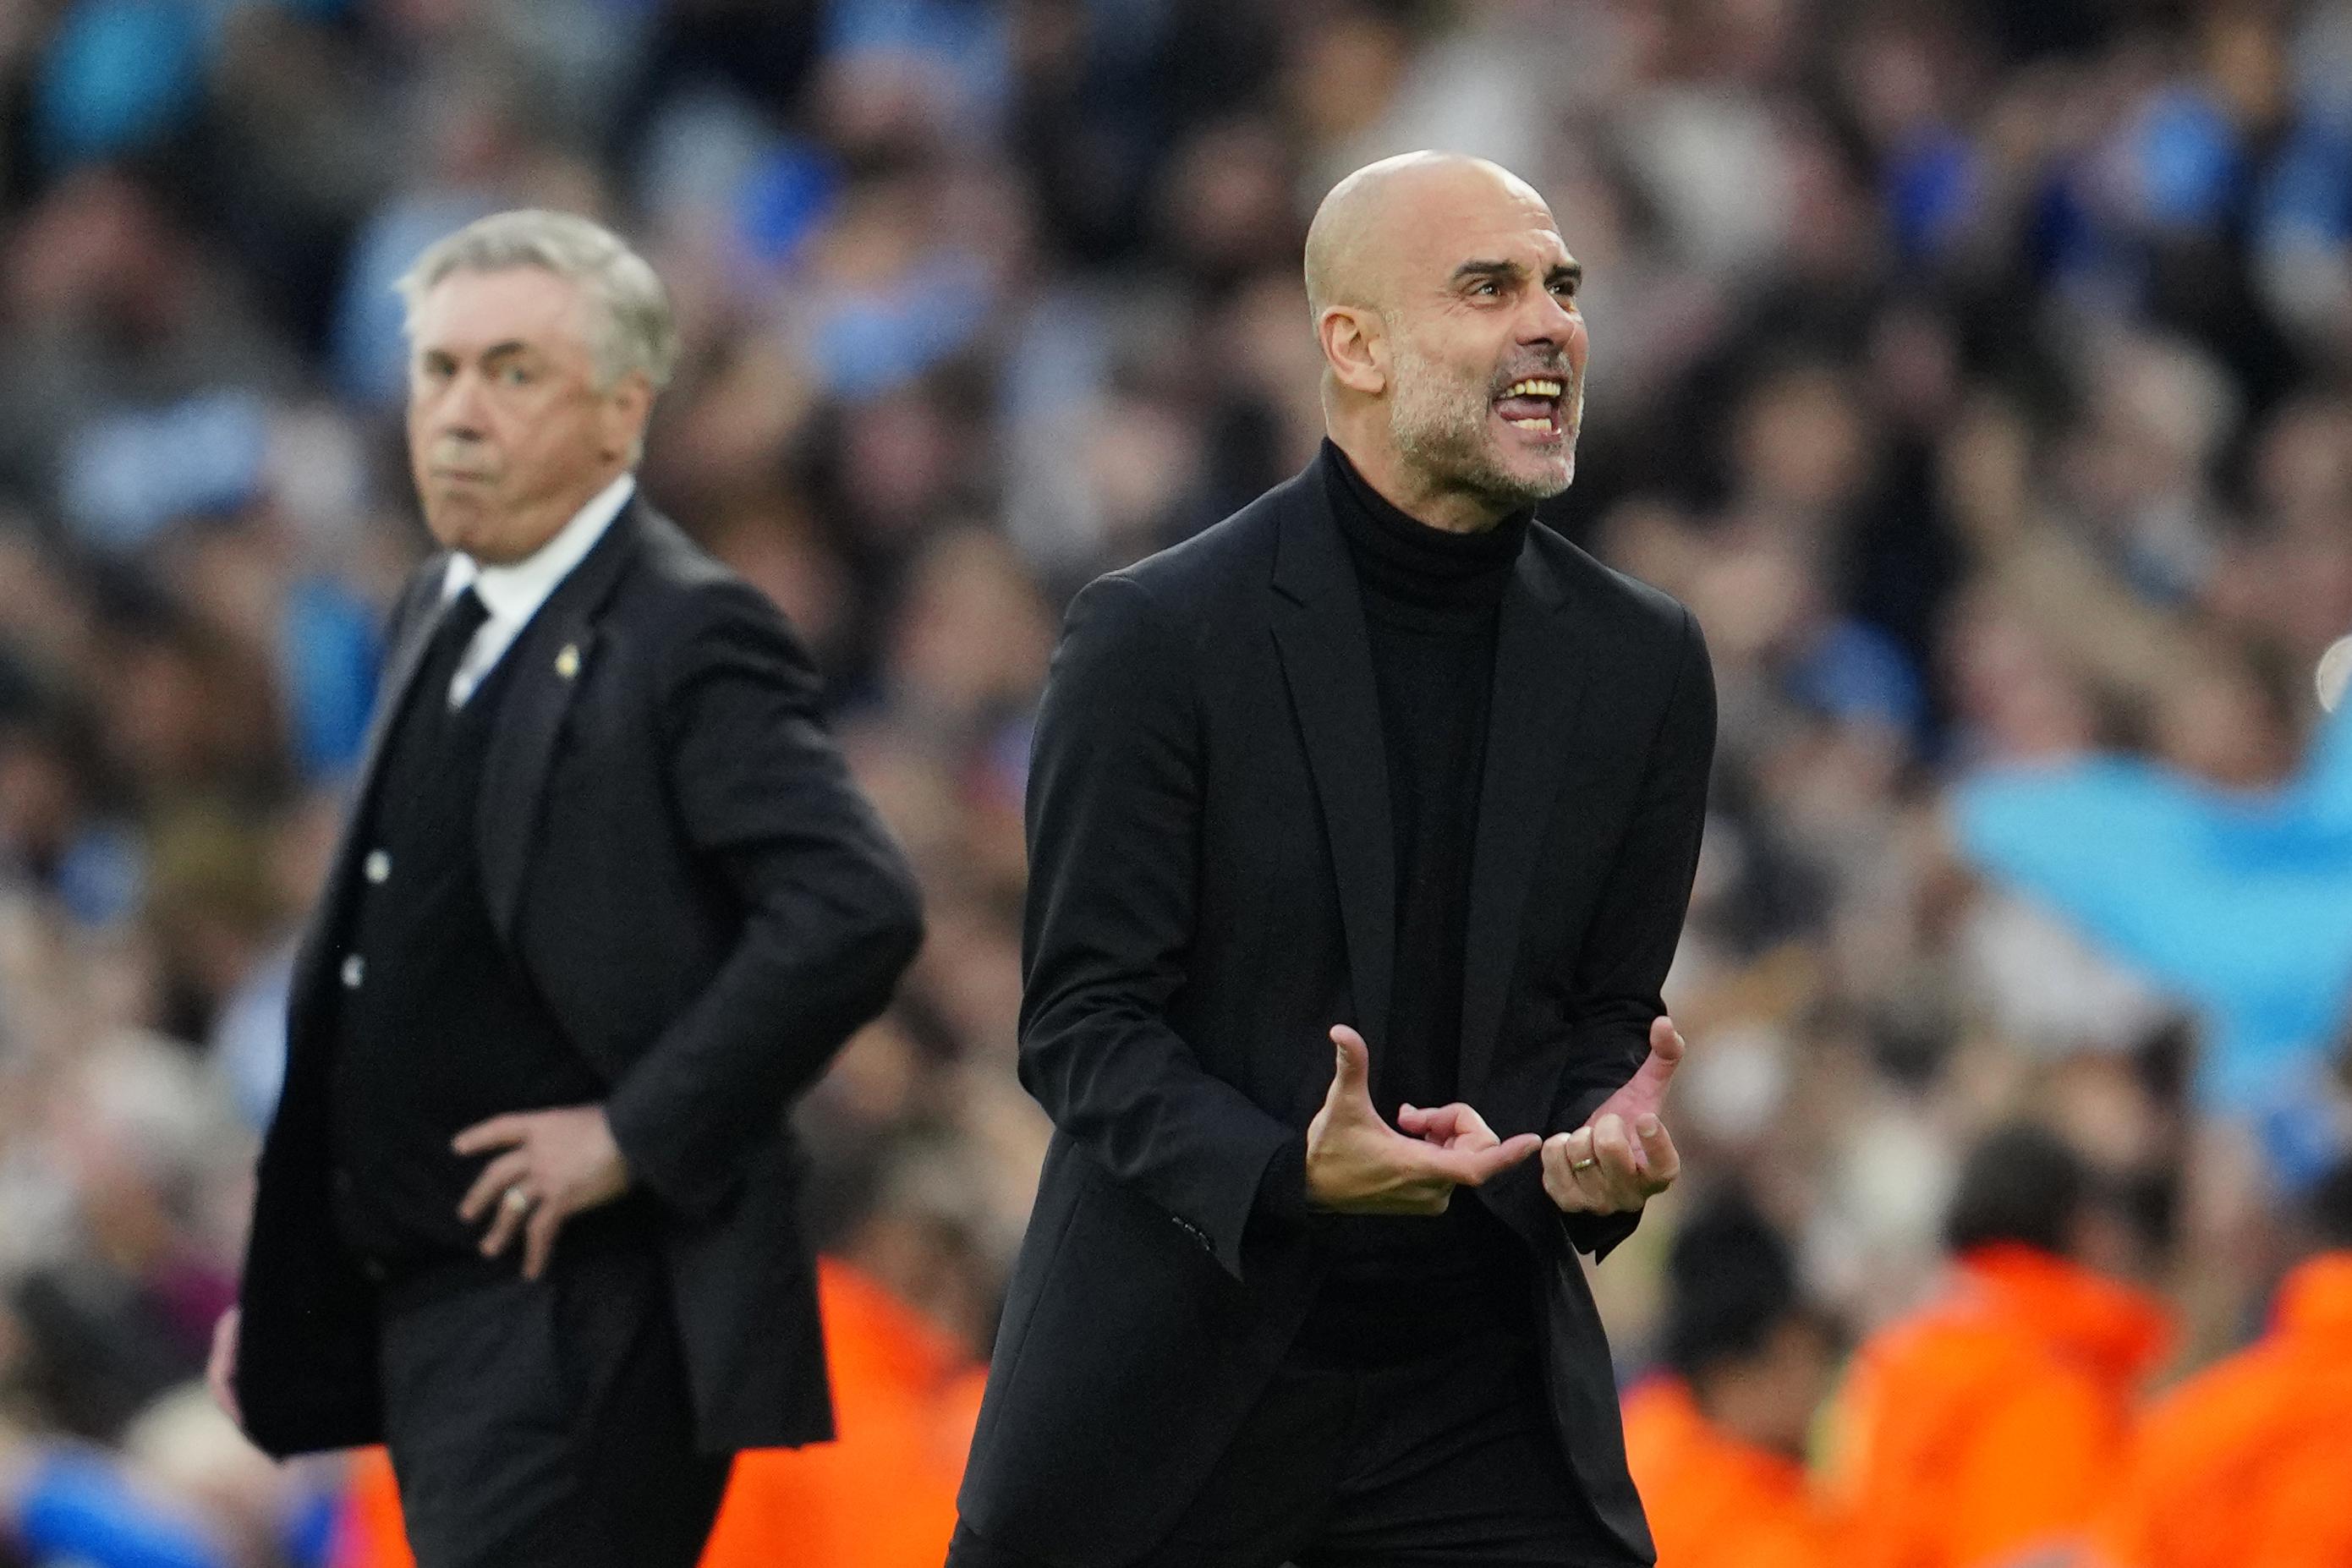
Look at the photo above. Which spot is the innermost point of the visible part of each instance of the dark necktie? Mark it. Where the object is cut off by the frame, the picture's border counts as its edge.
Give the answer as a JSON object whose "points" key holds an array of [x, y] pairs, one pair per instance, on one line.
{"points": [[460, 619]]}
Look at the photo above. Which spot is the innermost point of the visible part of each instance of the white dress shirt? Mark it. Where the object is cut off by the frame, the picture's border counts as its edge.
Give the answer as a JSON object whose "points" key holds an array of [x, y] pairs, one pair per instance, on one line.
{"points": [[513, 594]]}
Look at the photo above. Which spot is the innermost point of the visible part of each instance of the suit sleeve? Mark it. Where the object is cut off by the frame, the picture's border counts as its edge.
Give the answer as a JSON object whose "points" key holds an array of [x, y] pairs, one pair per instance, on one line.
{"points": [[1629, 943], [1114, 818], [831, 910]]}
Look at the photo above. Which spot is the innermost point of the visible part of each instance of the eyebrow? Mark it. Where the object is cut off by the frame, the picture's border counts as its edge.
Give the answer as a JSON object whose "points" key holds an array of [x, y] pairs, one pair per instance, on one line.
{"points": [[502, 350], [1570, 272]]}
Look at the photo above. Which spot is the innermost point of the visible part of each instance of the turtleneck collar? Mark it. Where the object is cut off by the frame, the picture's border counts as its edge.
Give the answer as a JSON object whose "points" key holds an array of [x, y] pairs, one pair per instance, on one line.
{"points": [[1405, 564]]}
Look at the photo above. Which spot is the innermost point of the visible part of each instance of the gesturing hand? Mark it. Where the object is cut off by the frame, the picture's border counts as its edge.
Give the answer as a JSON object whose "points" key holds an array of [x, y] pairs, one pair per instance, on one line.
{"points": [[557, 1164], [1600, 1168], [1358, 1163]]}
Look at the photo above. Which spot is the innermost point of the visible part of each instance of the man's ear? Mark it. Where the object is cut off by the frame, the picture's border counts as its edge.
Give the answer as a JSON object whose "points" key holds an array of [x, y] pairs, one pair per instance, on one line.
{"points": [[627, 406], [1355, 345]]}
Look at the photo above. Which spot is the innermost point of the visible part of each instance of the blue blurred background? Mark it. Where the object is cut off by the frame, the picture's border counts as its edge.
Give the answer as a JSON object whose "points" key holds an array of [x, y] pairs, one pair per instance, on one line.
{"points": [[1979, 374]]}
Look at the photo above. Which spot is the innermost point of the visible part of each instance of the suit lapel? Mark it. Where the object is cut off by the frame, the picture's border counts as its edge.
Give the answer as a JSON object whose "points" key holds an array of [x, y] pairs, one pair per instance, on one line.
{"points": [[1327, 661], [418, 620], [553, 657], [1540, 669], [422, 620]]}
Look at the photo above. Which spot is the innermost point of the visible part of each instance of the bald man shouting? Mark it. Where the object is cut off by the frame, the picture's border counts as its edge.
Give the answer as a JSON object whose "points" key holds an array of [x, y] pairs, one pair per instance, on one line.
{"points": [[1361, 829]]}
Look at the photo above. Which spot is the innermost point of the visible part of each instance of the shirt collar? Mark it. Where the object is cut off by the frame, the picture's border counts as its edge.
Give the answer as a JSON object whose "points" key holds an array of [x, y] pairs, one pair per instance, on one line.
{"points": [[515, 592]]}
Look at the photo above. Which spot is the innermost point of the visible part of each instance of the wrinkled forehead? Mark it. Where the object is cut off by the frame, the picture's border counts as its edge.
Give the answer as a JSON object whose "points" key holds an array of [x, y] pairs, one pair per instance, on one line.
{"points": [[470, 311], [1467, 217]]}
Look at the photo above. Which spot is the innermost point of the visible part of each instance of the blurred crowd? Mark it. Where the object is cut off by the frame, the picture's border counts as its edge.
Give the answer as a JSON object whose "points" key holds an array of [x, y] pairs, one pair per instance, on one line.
{"points": [[1980, 373]]}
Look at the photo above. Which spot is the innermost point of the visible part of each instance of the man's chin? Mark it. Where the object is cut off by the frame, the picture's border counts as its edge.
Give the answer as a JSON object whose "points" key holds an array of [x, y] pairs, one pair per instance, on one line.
{"points": [[455, 522], [1527, 478]]}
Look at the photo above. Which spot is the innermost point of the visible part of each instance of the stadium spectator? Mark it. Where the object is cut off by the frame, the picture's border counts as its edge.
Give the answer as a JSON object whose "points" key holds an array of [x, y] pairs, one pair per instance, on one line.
{"points": [[2245, 1462], [1987, 1428], [1717, 1438]]}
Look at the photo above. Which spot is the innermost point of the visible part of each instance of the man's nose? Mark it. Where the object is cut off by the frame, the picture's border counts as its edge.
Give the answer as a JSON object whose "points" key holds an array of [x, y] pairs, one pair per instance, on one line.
{"points": [[1549, 320], [460, 413]]}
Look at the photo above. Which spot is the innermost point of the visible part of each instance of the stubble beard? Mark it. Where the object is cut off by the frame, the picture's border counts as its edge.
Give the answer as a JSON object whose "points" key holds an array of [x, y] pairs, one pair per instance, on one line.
{"points": [[1439, 425]]}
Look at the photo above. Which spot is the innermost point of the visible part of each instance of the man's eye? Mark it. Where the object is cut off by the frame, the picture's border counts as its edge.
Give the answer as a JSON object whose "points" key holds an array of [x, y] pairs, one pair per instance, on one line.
{"points": [[515, 376]]}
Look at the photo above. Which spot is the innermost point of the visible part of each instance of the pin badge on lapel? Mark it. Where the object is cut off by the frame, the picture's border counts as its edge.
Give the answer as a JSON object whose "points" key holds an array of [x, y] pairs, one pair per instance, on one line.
{"points": [[567, 663]]}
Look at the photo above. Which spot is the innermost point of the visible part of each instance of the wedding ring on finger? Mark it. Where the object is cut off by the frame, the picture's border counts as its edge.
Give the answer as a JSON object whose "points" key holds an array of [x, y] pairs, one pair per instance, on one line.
{"points": [[515, 1198], [1584, 1164]]}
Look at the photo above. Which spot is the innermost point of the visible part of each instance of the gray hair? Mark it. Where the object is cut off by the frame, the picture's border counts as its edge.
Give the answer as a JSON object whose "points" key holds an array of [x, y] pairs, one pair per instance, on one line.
{"points": [[632, 330]]}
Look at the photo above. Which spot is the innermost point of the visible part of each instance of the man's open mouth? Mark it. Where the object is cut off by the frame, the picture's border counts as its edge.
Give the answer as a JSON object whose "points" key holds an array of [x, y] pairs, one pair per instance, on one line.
{"points": [[1532, 404]]}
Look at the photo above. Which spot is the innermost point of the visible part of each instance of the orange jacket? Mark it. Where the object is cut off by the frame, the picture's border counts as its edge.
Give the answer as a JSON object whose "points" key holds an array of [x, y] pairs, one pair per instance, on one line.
{"points": [[1987, 1425], [882, 1496], [1712, 1500], [368, 1531], [2250, 1461]]}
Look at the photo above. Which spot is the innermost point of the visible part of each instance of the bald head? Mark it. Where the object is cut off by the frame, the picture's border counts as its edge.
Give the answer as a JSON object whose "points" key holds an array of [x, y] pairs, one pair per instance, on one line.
{"points": [[1444, 302], [1380, 216]]}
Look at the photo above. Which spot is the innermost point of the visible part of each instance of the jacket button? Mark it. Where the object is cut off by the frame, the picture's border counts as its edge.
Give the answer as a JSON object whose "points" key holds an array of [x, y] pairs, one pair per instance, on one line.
{"points": [[378, 866], [355, 971]]}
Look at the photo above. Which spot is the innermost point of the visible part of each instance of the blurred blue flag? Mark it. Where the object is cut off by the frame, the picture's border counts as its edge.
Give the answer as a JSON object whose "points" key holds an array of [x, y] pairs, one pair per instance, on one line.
{"points": [[2238, 904]]}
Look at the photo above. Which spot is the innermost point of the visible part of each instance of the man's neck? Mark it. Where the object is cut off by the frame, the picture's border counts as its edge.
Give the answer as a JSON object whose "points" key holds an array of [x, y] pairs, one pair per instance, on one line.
{"points": [[1404, 488], [1733, 1410]]}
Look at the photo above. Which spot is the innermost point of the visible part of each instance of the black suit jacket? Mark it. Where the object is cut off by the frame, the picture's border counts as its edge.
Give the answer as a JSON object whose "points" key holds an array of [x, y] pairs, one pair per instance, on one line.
{"points": [[673, 846], [1211, 887]]}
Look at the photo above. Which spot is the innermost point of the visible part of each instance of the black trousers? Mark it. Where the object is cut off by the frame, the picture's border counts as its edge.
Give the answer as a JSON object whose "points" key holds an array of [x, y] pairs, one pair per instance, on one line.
{"points": [[544, 1423], [1444, 1463]]}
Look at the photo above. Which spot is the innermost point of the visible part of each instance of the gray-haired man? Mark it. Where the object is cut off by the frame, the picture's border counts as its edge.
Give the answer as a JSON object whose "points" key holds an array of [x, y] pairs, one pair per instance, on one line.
{"points": [[607, 900]]}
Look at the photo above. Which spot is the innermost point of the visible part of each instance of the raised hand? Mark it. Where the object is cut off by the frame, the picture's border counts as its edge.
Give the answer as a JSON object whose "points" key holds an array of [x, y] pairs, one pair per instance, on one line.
{"points": [[1358, 1163], [1622, 1156]]}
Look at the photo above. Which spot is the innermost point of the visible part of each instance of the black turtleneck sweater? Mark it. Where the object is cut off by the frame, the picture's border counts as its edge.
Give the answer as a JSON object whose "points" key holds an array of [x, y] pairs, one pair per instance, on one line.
{"points": [[1404, 1287], [1430, 599]]}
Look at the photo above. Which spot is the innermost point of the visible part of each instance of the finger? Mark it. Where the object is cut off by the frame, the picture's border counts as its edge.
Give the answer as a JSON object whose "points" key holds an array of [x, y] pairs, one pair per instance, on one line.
{"points": [[1563, 1151], [498, 1132], [1666, 1041], [497, 1176], [1657, 1070], [1612, 1147], [539, 1238], [1471, 1125], [1437, 1124], [1479, 1166], [1557, 1185], [1467, 1128], [1351, 1078], [1663, 1163], [220, 1367], [1457, 1126], [223, 1359], [505, 1219]]}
